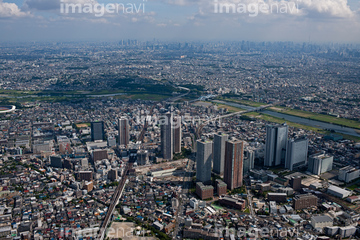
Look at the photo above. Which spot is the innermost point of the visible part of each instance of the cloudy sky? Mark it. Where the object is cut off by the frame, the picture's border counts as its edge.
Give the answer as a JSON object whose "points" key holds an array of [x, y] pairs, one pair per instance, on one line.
{"points": [[299, 20]]}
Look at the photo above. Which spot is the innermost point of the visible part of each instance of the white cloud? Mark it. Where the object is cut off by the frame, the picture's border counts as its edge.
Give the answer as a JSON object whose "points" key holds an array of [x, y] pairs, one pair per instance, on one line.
{"points": [[10, 10], [326, 8]]}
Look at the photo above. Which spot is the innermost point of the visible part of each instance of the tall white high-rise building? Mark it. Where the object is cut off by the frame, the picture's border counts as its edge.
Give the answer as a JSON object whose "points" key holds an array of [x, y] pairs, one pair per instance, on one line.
{"points": [[249, 160], [276, 141], [219, 152], [124, 134], [177, 134], [296, 153], [203, 161], [167, 136]]}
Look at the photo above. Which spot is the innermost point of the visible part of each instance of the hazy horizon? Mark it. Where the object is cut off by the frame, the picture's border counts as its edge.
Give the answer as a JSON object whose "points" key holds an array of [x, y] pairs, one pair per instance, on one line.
{"points": [[181, 20]]}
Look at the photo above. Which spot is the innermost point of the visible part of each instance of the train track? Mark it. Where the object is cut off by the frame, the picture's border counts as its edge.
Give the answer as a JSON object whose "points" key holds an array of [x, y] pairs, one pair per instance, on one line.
{"points": [[115, 198]]}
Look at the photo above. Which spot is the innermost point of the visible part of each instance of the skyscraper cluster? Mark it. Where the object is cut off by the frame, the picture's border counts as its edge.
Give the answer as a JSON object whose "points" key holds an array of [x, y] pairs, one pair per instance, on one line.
{"points": [[228, 158], [170, 131], [279, 150]]}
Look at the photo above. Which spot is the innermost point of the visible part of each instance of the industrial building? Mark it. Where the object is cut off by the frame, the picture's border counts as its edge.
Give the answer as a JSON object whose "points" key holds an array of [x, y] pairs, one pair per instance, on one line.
{"points": [[319, 222], [348, 174], [232, 202], [320, 163], [338, 192], [278, 197]]}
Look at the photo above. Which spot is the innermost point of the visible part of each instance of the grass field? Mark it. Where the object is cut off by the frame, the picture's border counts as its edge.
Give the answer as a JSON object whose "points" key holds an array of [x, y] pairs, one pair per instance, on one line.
{"points": [[244, 102], [145, 96], [280, 121], [83, 125], [318, 117], [231, 109], [352, 187], [216, 207], [296, 125]]}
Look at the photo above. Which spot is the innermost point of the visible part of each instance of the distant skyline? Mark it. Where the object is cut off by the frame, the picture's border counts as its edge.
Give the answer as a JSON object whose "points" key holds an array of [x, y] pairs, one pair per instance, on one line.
{"points": [[314, 20]]}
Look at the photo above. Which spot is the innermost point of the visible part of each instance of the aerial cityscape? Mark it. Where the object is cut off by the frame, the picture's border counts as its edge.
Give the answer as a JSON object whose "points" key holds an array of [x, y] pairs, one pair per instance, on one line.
{"points": [[178, 119]]}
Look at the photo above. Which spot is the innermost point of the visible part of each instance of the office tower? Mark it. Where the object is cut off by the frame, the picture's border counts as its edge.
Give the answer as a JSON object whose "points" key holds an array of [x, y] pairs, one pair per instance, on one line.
{"points": [[177, 134], [320, 163], [295, 183], [234, 160], [111, 141], [203, 161], [124, 131], [133, 155], [221, 187], [219, 152], [85, 175], [113, 174], [142, 157], [99, 154], [56, 162], [88, 186], [303, 201], [204, 191], [296, 153], [275, 149], [166, 132], [97, 131], [84, 163], [68, 164], [249, 158]]}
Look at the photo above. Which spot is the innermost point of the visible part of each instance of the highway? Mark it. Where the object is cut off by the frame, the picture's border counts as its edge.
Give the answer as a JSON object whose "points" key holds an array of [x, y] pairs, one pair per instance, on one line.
{"points": [[199, 129]]}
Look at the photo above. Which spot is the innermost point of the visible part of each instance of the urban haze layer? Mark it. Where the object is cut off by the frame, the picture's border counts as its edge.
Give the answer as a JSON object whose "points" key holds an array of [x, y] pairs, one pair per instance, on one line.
{"points": [[179, 140]]}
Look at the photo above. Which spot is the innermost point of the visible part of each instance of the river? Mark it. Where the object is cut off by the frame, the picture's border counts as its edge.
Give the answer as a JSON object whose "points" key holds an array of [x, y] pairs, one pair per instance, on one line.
{"points": [[303, 121]]}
